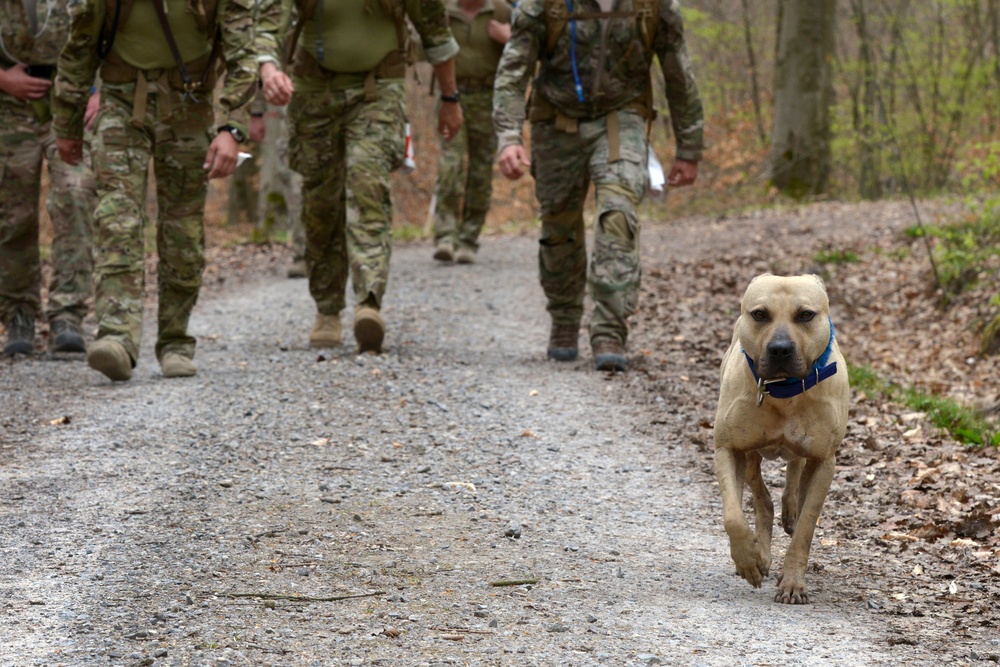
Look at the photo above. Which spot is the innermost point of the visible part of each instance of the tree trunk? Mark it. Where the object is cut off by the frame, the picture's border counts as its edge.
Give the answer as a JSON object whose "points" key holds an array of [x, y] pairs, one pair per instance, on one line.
{"points": [[866, 108], [800, 151], [752, 63]]}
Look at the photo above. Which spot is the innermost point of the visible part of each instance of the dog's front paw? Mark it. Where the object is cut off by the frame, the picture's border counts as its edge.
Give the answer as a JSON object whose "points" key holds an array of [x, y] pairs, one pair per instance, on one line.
{"points": [[791, 590], [751, 563]]}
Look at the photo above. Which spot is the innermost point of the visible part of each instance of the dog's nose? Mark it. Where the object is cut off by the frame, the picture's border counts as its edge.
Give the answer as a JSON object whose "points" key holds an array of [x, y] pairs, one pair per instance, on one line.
{"points": [[780, 349]]}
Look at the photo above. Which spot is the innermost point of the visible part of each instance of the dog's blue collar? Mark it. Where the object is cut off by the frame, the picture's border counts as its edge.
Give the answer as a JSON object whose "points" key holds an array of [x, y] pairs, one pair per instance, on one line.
{"points": [[789, 387]]}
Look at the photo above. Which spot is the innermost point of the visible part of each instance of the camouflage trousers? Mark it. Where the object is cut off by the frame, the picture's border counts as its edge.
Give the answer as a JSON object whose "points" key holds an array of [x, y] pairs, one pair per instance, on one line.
{"points": [[564, 164], [24, 142], [173, 133], [469, 182], [345, 148], [280, 199]]}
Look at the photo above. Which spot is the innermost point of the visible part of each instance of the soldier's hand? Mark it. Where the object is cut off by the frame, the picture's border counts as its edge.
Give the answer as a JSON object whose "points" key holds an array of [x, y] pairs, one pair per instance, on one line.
{"points": [[70, 150], [449, 119], [277, 85], [258, 130], [221, 158], [90, 115], [498, 32], [512, 160], [683, 172], [16, 82]]}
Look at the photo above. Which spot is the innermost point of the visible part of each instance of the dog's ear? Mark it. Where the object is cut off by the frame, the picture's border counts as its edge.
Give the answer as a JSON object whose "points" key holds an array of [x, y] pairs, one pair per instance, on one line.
{"points": [[752, 280], [818, 280]]}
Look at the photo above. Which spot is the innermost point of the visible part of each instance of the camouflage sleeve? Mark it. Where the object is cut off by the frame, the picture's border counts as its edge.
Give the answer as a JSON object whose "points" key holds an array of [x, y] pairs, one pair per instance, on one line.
{"points": [[430, 19], [686, 113], [272, 24], [77, 68], [517, 64], [237, 22]]}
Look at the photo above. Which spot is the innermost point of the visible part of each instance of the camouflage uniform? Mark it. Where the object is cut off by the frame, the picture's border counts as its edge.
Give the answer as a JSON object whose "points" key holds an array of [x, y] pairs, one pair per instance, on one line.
{"points": [[26, 138], [347, 136], [601, 139], [145, 115], [475, 69]]}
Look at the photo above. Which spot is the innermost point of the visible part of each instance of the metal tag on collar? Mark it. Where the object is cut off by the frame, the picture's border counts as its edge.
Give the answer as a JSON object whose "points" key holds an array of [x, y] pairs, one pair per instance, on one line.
{"points": [[762, 389]]}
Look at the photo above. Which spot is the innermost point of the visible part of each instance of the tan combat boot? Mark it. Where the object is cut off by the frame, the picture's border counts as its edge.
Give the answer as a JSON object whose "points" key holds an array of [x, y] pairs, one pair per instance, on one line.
{"points": [[326, 332], [444, 251], [466, 254], [176, 365], [111, 358], [369, 329]]}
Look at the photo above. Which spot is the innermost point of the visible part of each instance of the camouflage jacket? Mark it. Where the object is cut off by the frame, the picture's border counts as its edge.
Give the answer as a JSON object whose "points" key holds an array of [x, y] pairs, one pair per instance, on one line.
{"points": [[32, 41], [619, 83], [79, 64]]}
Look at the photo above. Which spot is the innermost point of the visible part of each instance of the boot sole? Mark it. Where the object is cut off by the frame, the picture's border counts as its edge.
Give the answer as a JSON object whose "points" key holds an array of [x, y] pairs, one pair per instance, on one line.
{"points": [[111, 363], [18, 347], [563, 353], [611, 362], [69, 343], [174, 369], [370, 333]]}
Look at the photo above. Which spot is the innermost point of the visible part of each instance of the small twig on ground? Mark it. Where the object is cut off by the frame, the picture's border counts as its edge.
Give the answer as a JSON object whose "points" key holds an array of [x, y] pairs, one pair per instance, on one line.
{"points": [[514, 582], [464, 630], [292, 598]]}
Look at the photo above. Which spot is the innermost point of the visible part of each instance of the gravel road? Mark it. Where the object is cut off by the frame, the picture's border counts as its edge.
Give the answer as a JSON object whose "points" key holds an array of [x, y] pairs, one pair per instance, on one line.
{"points": [[458, 500]]}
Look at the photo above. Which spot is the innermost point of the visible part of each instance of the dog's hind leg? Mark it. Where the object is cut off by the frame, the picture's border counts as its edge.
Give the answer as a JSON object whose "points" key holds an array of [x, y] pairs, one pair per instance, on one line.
{"points": [[763, 507], [791, 499]]}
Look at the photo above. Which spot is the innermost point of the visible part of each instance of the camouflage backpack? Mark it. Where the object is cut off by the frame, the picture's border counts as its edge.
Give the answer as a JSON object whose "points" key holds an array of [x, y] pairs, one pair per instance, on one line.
{"points": [[558, 15]]}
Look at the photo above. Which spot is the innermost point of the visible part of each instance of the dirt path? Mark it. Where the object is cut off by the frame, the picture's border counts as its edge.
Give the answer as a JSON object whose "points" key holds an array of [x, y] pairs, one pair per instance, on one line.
{"points": [[174, 522]]}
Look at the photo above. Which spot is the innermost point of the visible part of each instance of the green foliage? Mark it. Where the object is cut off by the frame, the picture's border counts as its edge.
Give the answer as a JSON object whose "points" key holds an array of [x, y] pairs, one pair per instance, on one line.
{"points": [[833, 256], [407, 233], [964, 249], [963, 423]]}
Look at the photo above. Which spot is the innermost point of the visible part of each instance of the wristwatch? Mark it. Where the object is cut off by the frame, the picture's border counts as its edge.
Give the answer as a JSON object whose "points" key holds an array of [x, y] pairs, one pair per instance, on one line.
{"points": [[450, 98], [235, 131]]}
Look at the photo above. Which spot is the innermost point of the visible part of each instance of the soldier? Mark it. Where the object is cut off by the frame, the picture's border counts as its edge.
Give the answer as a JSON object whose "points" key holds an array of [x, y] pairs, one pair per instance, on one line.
{"points": [[590, 110], [157, 62], [349, 109], [31, 35], [481, 28]]}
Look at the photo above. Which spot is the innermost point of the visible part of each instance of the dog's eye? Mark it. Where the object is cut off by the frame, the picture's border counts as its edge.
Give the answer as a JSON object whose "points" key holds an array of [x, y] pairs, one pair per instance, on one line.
{"points": [[759, 315], [806, 316]]}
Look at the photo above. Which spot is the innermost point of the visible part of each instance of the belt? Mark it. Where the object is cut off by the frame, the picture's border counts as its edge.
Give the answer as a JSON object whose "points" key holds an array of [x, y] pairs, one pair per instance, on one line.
{"points": [[42, 71]]}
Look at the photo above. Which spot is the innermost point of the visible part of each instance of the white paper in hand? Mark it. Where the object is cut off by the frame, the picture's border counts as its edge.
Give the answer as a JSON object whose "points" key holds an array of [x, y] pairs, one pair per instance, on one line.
{"points": [[657, 180]]}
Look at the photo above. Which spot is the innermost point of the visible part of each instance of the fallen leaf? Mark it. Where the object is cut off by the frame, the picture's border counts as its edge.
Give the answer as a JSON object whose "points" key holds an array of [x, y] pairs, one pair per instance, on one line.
{"points": [[60, 421]]}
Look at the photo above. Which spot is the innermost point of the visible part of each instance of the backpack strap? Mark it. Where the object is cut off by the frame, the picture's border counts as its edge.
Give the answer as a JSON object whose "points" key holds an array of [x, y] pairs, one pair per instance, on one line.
{"points": [[501, 11], [106, 38], [307, 9]]}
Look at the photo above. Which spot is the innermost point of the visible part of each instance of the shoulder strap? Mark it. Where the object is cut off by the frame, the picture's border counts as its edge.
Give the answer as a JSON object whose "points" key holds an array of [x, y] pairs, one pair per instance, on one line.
{"points": [[161, 16], [397, 11], [307, 8], [556, 18], [112, 19], [501, 11]]}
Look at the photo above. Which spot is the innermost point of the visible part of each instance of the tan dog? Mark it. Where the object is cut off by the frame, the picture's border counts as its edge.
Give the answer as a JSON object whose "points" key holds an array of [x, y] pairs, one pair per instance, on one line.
{"points": [[784, 393]]}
